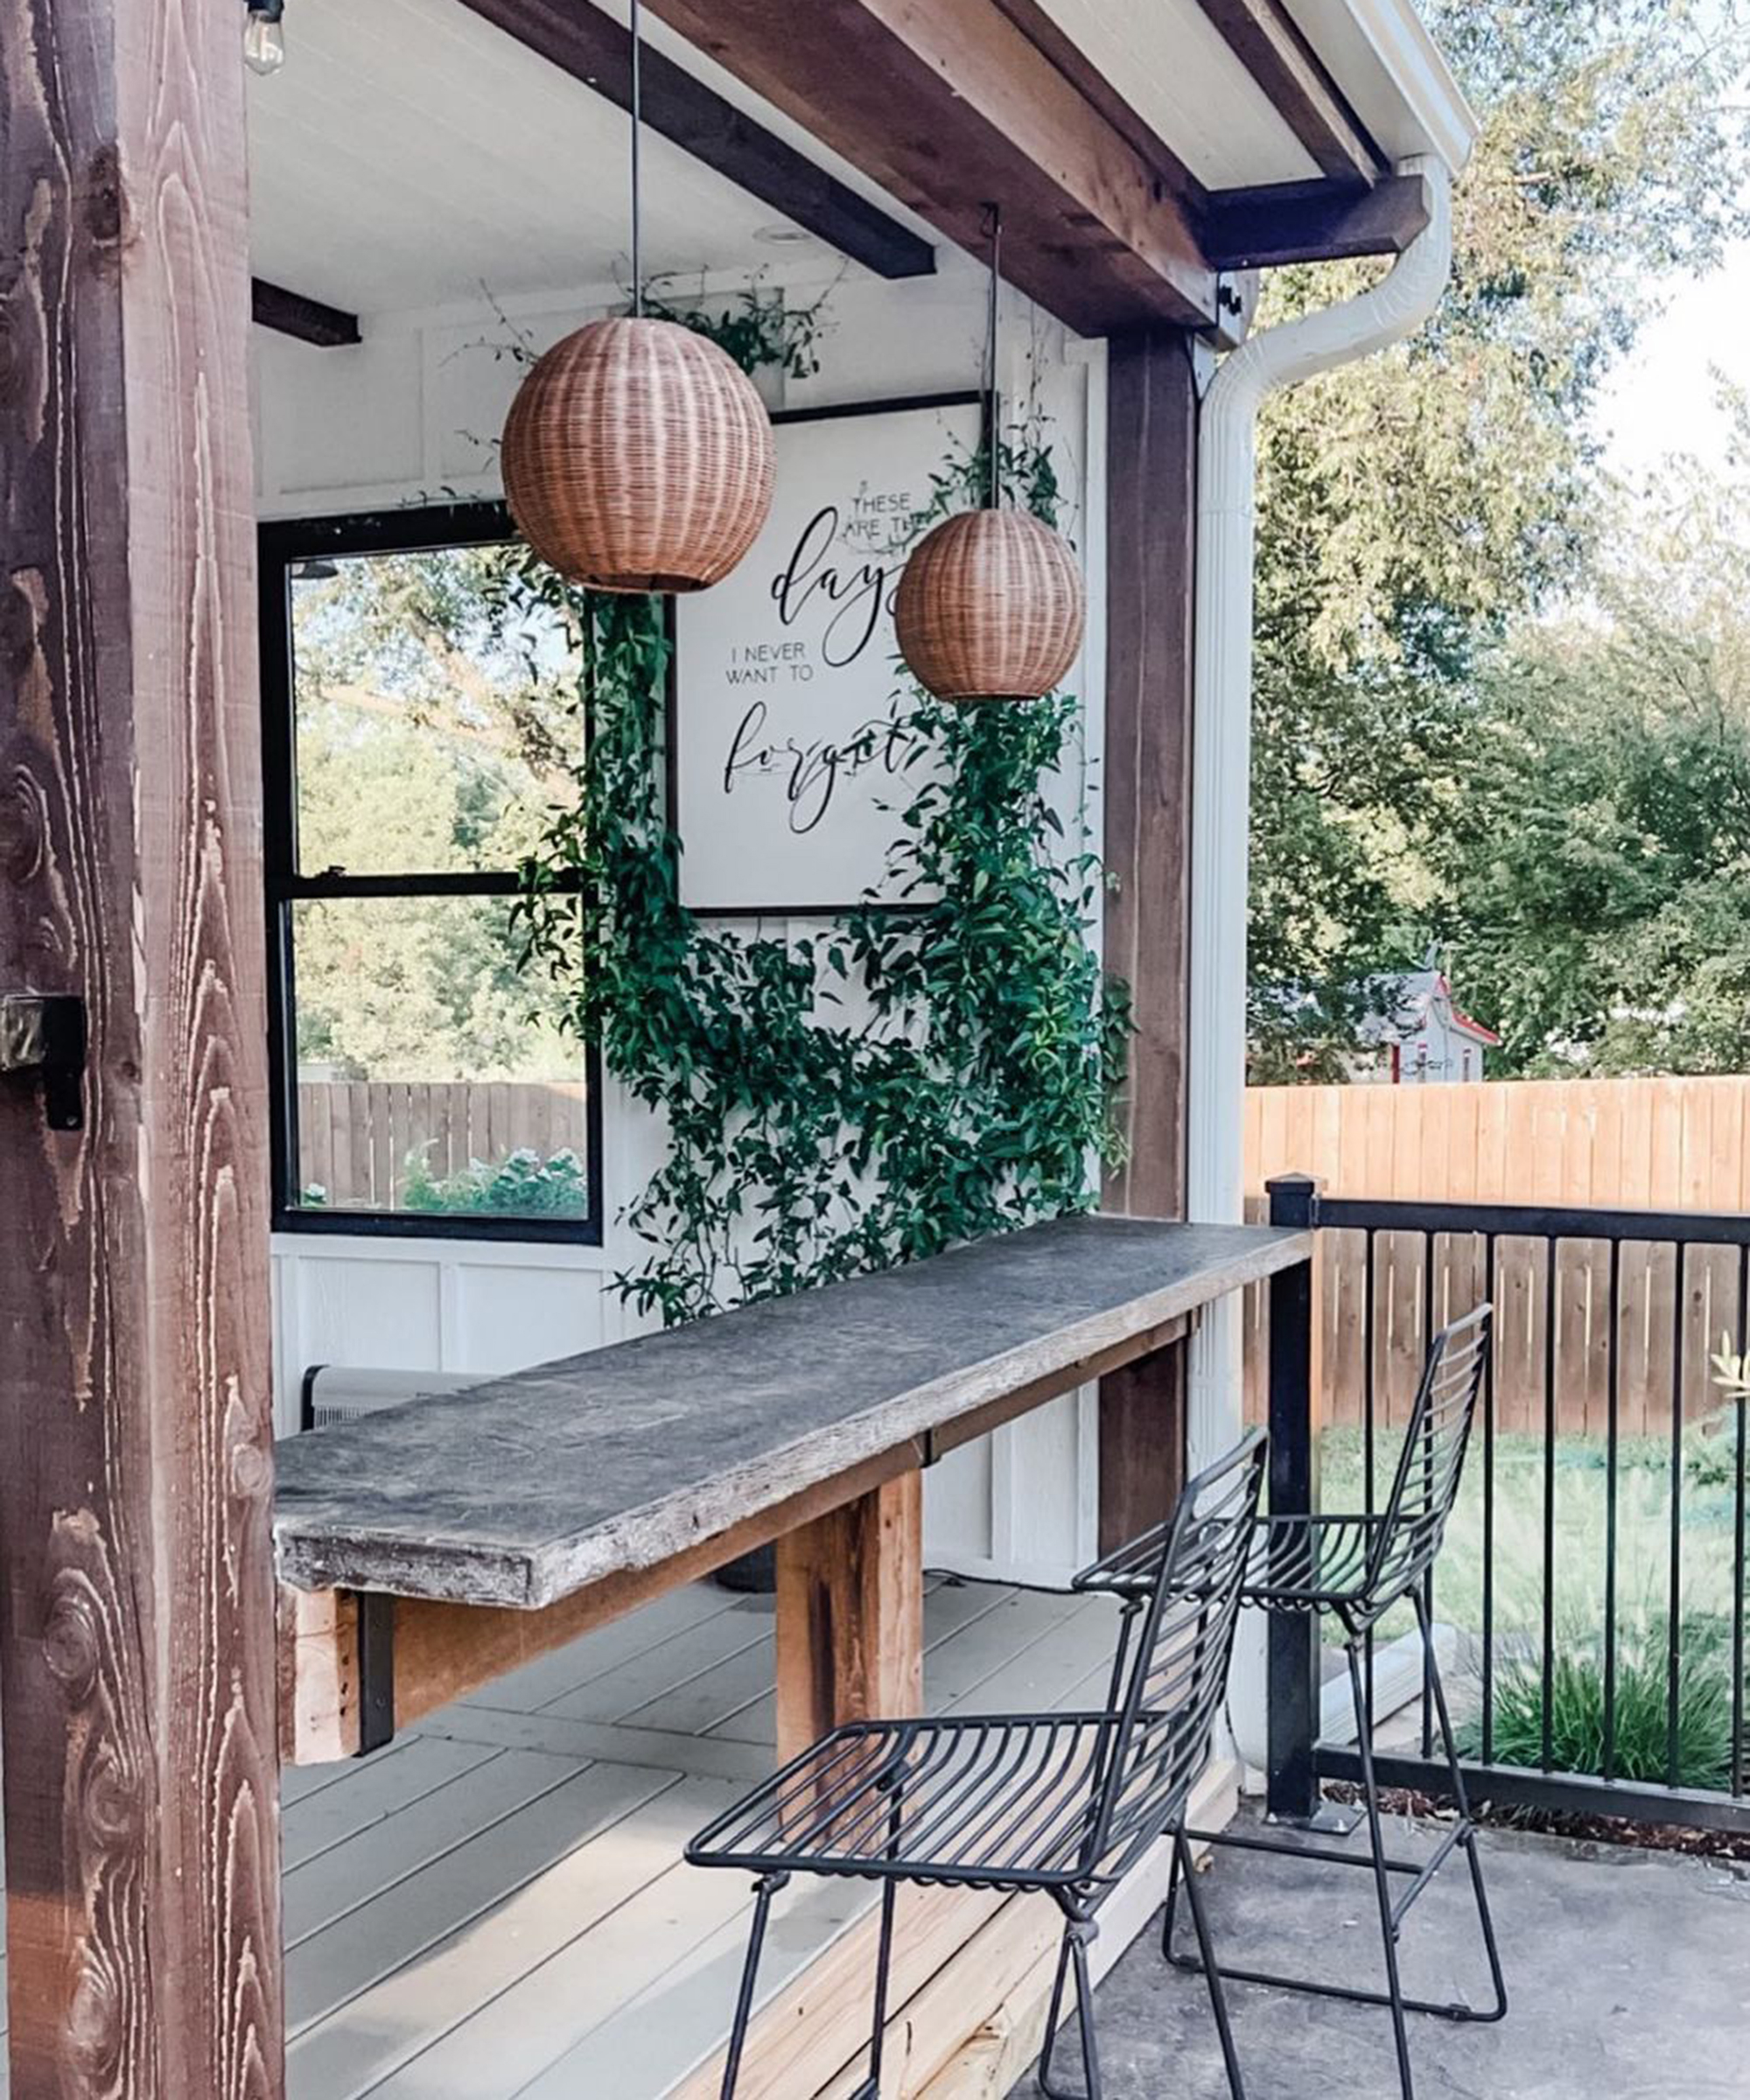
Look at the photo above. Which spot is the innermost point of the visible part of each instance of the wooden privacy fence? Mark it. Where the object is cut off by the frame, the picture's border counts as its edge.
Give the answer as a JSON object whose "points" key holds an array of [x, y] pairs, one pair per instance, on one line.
{"points": [[356, 1136], [1622, 1144], [1657, 1143]]}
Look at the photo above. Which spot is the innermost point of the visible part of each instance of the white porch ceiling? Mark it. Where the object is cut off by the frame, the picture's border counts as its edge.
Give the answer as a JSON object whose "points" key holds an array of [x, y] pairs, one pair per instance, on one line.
{"points": [[1179, 74], [409, 154]]}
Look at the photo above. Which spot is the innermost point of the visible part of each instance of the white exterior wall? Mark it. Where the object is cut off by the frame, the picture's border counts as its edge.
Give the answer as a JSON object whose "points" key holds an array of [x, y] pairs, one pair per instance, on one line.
{"points": [[411, 415]]}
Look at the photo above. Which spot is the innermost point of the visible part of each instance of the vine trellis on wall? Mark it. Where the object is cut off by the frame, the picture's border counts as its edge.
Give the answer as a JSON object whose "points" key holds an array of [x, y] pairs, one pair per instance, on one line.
{"points": [[874, 1090]]}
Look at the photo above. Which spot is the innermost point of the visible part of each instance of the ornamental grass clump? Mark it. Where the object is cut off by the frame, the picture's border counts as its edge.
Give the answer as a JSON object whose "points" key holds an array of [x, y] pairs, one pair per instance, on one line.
{"points": [[1643, 1745]]}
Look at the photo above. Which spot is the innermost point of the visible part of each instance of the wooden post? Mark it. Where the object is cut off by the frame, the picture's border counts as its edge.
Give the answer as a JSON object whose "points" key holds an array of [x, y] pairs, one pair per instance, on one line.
{"points": [[137, 1633], [1151, 454], [851, 1613]]}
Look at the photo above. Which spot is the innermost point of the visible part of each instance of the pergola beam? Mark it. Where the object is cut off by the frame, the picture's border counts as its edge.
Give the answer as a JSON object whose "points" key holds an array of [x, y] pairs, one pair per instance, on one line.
{"points": [[592, 47], [1314, 222], [949, 107], [304, 319], [136, 1639], [1265, 39]]}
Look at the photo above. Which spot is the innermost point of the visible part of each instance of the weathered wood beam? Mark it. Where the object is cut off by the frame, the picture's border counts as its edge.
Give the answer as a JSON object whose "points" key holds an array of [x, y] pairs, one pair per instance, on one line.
{"points": [[1264, 37], [136, 1641], [950, 107], [850, 1615], [591, 47], [1313, 222], [308, 320], [1039, 27], [1151, 484]]}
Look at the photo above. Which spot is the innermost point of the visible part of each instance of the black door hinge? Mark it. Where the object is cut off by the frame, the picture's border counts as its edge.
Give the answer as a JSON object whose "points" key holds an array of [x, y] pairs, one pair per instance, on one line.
{"points": [[43, 1040]]}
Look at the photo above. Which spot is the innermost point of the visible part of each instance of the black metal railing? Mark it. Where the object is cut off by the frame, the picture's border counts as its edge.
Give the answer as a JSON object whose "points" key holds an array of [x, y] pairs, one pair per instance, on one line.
{"points": [[1607, 1450]]}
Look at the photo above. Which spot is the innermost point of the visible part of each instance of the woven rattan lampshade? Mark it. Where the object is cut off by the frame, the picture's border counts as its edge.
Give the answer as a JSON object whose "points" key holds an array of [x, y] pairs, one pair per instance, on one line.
{"points": [[991, 606], [638, 456]]}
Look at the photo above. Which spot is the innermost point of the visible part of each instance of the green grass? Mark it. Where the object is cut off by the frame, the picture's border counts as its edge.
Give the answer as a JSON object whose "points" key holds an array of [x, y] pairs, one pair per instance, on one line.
{"points": [[1580, 1489], [1580, 1497]]}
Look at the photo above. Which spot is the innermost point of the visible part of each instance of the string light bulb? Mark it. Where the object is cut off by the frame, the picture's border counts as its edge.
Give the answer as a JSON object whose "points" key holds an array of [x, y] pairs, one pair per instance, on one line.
{"points": [[264, 36]]}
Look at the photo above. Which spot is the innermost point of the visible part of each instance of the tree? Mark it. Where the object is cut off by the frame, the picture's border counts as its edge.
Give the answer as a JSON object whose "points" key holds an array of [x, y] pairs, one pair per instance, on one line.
{"points": [[1596, 858], [1414, 505], [431, 737]]}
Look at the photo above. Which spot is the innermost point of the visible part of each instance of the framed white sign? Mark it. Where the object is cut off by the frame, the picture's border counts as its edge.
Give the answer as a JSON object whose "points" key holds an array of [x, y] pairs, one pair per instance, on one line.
{"points": [[786, 751]]}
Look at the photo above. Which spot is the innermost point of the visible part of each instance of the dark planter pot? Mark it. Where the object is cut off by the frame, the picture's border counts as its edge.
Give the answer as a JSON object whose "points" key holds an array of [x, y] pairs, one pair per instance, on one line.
{"points": [[754, 1575]]}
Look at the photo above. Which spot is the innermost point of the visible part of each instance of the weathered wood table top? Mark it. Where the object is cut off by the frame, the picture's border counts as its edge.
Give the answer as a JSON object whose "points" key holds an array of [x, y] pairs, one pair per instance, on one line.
{"points": [[524, 1490]]}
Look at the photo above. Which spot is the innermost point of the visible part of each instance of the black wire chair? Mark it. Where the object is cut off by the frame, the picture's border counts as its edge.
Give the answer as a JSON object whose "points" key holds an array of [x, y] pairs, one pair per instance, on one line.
{"points": [[1063, 1804], [1356, 1568]]}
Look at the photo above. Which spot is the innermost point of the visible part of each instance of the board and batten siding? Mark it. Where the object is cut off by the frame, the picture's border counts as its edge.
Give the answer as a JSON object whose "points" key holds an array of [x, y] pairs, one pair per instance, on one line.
{"points": [[411, 415]]}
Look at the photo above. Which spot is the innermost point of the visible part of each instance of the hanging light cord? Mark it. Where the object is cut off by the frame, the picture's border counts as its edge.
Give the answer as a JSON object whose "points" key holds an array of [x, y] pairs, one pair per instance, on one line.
{"points": [[637, 183], [993, 234]]}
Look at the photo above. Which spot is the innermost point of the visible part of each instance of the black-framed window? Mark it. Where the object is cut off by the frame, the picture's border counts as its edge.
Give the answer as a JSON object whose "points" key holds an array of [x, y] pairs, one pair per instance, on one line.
{"points": [[412, 742]]}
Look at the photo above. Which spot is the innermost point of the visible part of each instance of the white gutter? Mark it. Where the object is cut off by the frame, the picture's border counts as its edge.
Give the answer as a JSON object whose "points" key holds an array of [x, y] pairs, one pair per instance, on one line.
{"points": [[1392, 75], [1221, 740], [1222, 745]]}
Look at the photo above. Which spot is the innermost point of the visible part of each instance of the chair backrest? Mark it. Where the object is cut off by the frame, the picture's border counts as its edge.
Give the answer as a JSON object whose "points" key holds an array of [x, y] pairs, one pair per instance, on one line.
{"points": [[1178, 1675], [1431, 1463]]}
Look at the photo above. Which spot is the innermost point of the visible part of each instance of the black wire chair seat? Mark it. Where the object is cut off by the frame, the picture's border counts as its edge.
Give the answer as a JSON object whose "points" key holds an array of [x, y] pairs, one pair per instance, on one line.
{"points": [[1296, 1564], [1001, 1801], [1062, 1805]]}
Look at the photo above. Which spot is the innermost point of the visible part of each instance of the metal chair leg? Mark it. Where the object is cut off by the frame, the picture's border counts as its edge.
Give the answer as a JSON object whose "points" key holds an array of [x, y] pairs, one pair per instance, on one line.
{"points": [[870, 2088], [1382, 1874], [1467, 1837], [1420, 1875], [1183, 1868], [1078, 1934], [763, 1893]]}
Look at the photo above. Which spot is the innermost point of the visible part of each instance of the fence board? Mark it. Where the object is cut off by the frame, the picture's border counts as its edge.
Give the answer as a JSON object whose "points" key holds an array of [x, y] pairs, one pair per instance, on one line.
{"points": [[355, 1137], [1622, 1144]]}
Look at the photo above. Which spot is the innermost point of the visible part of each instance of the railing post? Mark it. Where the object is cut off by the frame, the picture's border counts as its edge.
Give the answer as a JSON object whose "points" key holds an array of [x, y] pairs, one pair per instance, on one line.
{"points": [[1293, 1717]]}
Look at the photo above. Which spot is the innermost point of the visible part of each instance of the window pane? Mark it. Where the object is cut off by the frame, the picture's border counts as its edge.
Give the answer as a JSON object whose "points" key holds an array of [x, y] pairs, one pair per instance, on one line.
{"points": [[430, 733], [423, 1085]]}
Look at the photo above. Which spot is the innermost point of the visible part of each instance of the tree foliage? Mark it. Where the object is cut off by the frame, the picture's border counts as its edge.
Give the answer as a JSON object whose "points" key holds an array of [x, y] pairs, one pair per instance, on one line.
{"points": [[429, 742], [1415, 506], [1596, 855]]}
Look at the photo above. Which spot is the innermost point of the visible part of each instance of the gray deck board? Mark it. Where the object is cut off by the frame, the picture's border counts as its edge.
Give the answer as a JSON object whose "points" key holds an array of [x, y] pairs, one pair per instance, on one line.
{"points": [[526, 1489]]}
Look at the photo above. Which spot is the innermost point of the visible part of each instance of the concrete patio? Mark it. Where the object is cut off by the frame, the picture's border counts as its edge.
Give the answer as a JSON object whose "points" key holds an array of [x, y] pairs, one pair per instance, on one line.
{"points": [[1629, 1973]]}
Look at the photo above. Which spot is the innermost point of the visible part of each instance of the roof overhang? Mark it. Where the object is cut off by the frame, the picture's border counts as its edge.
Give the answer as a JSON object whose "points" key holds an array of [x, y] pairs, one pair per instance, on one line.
{"points": [[1140, 147], [1141, 150]]}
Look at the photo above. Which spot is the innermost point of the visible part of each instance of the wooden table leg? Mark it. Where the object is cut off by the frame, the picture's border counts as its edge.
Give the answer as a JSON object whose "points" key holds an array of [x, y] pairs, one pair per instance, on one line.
{"points": [[850, 1613]]}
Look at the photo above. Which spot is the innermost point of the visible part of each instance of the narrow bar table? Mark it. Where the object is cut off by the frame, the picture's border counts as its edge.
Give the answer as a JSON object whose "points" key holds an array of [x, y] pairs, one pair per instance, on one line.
{"points": [[429, 1548]]}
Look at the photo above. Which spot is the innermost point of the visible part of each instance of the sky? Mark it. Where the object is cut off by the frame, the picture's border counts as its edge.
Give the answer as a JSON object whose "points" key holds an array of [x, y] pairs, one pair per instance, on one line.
{"points": [[1661, 398]]}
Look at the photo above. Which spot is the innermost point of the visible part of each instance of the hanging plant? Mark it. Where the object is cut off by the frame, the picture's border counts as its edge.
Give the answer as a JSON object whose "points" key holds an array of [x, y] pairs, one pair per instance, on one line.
{"points": [[973, 1092]]}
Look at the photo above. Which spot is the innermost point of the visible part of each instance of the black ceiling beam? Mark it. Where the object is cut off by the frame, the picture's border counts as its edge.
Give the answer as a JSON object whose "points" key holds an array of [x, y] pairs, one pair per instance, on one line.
{"points": [[592, 47], [1267, 42], [292, 313], [1312, 222]]}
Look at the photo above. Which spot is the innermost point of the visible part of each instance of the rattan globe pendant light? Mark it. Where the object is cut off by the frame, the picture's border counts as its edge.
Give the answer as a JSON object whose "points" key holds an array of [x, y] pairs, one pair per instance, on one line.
{"points": [[992, 605], [637, 455]]}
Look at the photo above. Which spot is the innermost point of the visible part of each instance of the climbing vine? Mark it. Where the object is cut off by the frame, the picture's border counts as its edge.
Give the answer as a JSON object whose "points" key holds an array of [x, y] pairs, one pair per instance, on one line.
{"points": [[871, 1092]]}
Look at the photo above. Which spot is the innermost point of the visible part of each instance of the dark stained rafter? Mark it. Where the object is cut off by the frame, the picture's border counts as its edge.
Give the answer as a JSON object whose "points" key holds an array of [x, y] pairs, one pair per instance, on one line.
{"points": [[948, 107], [592, 47], [1313, 222], [1265, 40], [308, 320]]}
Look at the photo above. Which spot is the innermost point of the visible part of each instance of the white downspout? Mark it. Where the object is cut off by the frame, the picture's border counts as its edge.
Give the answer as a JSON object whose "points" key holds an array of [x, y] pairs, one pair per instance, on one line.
{"points": [[1221, 782]]}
